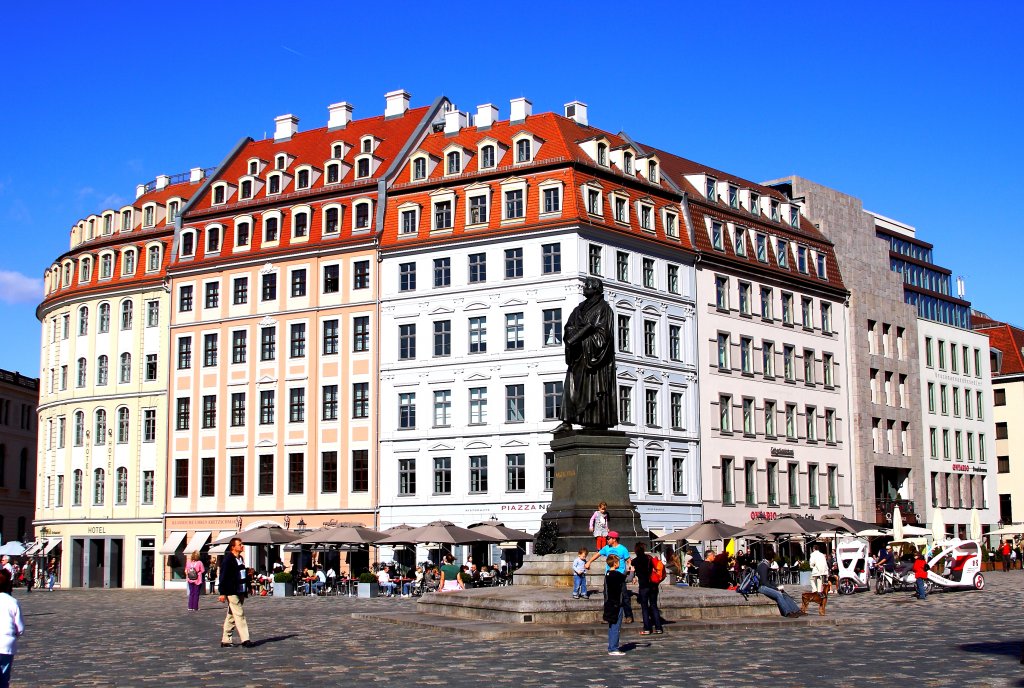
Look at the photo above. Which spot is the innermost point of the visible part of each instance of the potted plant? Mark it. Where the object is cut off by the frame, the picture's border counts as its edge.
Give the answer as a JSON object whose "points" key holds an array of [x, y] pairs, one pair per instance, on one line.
{"points": [[283, 586], [368, 585], [805, 573]]}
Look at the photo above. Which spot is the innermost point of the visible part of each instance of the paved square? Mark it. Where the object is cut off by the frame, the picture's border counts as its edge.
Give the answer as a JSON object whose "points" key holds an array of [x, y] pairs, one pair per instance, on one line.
{"points": [[132, 638]]}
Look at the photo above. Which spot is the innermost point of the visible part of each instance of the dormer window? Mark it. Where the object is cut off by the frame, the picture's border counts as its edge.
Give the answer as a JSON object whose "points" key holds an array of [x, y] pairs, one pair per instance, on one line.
{"points": [[367, 144], [270, 228], [153, 259], [762, 247], [652, 172], [336, 151], [212, 239], [362, 219], [332, 220], [86, 272], [419, 168], [672, 225], [593, 201], [775, 211], [524, 150], [363, 168], [621, 209], [627, 163], [280, 162], [602, 154], [242, 234], [67, 274], [801, 259], [646, 214], [126, 220], [734, 197], [755, 204], [709, 189], [218, 194], [782, 248], [148, 216], [188, 244], [106, 266], [487, 159], [821, 265], [302, 181], [245, 189], [128, 263], [740, 243], [454, 162], [108, 223], [92, 226], [794, 216], [717, 240], [274, 184], [300, 227], [253, 167], [333, 173]]}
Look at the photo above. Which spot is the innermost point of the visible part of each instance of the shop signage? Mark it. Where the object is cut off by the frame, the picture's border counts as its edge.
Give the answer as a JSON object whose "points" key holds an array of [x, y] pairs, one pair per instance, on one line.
{"points": [[96, 529], [784, 453], [763, 515], [524, 507], [200, 522]]}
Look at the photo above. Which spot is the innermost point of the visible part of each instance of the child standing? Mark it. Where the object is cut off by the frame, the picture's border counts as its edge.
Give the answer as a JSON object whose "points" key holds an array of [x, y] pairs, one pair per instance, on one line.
{"points": [[579, 575], [599, 524]]}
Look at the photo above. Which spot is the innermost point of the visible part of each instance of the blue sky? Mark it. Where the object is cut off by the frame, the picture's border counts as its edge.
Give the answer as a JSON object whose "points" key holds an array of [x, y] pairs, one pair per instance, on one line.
{"points": [[913, 107]]}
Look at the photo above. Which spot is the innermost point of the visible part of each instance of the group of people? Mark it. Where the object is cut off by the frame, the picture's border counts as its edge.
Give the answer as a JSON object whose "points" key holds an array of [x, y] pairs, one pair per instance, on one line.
{"points": [[24, 572]]}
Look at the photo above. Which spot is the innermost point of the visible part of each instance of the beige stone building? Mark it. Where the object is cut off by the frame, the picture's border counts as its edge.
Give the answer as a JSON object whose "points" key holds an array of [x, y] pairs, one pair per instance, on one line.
{"points": [[18, 398]]}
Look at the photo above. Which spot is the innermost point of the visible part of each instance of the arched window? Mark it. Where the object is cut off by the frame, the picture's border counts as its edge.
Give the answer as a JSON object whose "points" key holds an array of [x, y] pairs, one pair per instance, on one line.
{"points": [[81, 372], [454, 162], [104, 325], [213, 239], [333, 173], [123, 416], [102, 370], [419, 168], [652, 171], [331, 221], [523, 150], [126, 368], [86, 273], [79, 428], [153, 259], [188, 244], [301, 226], [106, 266], [100, 434], [242, 233], [627, 163], [67, 275], [270, 229], [336, 150], [129, 262], [487, 157], [99, 487], [122, 485], [83, 320], [602, 154], [76, 487], [363, 167], [127, 311]]}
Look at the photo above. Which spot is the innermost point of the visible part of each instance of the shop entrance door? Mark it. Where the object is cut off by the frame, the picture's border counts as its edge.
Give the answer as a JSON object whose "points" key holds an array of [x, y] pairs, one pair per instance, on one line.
{"points": [[147, 562]]}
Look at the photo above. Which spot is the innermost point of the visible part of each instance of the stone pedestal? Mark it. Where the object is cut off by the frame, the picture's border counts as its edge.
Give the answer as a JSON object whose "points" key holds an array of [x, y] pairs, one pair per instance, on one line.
{"points": [[555, 571], [590, 467]]}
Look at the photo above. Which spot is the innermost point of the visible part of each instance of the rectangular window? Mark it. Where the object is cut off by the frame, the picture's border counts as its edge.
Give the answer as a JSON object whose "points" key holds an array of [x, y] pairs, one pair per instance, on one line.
{"points": [[515, 403], [184, 413], [268, 287], [298, 340], [549, 471], [808, 367], [768, 359], [407, 476], [782, 253], [724, 347], [239, 346], [514, 332], [407, 277], [361, 274], [442, 408], [625, 404], [268, 343], [793, 474], [209, 411], [791, 421], [747, 355], [812, 485], [181, 477], [332, 279], [237, 409], [442, 338], [675, 342], [722, 293], [477, 210], [748, 417], [928, 352], [207, 476], [266, 474], [750, 482], [551, 258], [407, 342], [811, 423], [360, 399], [552, 400], [360, 470], [477, 335], [513, 263], [329, 402], [209, 350], [296, 473], [443, 215], [477, 405], [298, 283], [623, 333], [676, 410], [296, 405], [477, 267], [329, 472], [514, 204], [726, 479], [442, 272], [552, 326], [330, 342], [552, 200], [745, 298], [442, 475], [648, 273], [594, 259], [236, 484], [830, 426], [651, 408], [266, 407], [650, 337], [717, 240], [515, 465], [407, 410], [773, 483], [212, 290], [361, 333], [725, 413]]}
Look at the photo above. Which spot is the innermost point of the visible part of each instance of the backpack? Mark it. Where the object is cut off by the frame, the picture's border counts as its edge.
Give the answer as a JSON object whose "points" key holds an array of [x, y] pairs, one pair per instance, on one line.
{"points": [[657, 570], [192, 574], [750, 583]]}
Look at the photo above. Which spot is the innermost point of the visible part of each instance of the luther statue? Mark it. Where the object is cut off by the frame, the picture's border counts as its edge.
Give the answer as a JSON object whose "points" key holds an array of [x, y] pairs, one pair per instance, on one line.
{"points": [[588, 397]]}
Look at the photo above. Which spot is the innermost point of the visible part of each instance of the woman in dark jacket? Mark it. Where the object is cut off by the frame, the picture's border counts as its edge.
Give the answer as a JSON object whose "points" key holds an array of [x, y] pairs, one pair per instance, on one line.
{"points": [[615, 589]]}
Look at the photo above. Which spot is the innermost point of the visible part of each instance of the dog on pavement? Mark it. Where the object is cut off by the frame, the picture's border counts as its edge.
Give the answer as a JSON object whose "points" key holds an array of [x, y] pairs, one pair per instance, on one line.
{"points": [[821, 598]]}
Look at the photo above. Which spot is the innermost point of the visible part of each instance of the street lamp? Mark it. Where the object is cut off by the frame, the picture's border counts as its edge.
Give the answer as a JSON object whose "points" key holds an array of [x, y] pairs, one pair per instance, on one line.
{"points": [[300, 526]]}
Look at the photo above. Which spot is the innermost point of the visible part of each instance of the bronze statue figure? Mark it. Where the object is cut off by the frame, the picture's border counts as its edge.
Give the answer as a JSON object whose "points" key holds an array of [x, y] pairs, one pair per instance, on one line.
{"points": [[588, 396]]}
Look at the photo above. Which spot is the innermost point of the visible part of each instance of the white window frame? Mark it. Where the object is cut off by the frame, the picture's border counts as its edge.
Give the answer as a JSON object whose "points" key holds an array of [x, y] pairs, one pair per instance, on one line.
{"points": [[406, 208], [276, 214], [440, 196], [551, 184], [323, 219], [369, 215], [513, 184], [228, 188], [478, 191]]}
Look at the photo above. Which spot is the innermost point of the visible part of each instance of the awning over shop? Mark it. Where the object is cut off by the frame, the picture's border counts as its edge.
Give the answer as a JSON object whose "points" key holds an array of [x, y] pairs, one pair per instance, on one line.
{"points": [[34, 548], [52, 544], [218, 550], [197, 541], [173, 542]]}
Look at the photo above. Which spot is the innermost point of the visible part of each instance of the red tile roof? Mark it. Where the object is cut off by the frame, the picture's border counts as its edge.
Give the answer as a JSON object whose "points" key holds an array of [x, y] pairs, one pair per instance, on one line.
{"points": [[1009, 340]]}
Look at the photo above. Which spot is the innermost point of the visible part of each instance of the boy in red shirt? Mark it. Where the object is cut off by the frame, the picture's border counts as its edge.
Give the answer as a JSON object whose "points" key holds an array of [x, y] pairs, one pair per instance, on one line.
{"points": [[920, 575]]}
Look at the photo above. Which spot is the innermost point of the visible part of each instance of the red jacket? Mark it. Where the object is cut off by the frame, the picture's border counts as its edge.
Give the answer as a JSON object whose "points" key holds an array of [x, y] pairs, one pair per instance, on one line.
{"points": [[920, 568]]}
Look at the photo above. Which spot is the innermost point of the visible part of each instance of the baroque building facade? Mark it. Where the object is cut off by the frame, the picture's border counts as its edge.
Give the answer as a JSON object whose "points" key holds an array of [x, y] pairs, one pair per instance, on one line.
{"points": [[19, 396]]}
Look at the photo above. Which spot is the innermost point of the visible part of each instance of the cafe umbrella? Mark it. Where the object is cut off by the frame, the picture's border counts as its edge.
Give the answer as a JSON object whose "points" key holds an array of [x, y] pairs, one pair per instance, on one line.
{"points": [[344, 534], [265, 536], [496, 529], [438, 533], [707, 530]]}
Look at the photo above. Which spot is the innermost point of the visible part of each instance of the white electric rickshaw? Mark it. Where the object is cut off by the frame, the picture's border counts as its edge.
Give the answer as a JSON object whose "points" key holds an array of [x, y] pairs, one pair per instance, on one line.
{"points": [[852, 560], [956, 564]]}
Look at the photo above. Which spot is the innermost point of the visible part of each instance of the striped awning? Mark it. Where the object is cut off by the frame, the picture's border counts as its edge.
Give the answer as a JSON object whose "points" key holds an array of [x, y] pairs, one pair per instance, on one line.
{"points": [[196, 542], [218, 550], [173, 542], [34, 548], [52, 544]]}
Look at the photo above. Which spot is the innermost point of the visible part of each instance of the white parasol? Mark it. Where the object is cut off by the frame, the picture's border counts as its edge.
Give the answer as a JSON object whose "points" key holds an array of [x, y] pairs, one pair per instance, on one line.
{"points": [[938, 526], [975, 525], [897, 524]]}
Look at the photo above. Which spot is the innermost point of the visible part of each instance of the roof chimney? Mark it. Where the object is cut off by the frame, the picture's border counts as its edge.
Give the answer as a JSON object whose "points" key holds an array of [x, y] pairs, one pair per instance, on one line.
{"points": [[486, 115], [195, 174], [397, 103], [339, 114], [285, 127], [577, 112], [162, 180], [454, 121], [139, 190], [521, 108]]}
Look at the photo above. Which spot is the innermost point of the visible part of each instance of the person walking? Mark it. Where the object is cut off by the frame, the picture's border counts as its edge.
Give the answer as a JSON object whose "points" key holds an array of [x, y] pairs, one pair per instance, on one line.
{"points": [[194, 578], [599, 525], [51, 573], [615, 591], [234, 586], [647, 590], [1004, 554], [29, 573], [819, 570], [920, 576], [11, 627]]}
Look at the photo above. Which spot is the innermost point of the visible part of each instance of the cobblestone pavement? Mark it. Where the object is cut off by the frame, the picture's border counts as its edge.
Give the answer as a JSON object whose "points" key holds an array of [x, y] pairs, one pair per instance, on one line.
{"points": [[132, 638]]}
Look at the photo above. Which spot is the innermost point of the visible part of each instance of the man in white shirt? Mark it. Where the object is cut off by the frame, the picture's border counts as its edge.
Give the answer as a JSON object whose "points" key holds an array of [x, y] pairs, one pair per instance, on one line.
{"points": [[819, 569], [384, 580]]}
